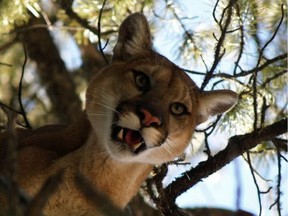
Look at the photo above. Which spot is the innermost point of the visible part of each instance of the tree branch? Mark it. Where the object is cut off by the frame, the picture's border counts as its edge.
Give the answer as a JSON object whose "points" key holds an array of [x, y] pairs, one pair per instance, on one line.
{"points": [[219, 49], [237, 145]]}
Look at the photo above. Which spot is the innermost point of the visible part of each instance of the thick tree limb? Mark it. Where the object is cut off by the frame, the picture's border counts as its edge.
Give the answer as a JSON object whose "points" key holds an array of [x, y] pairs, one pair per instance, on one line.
{"points": [[237, 145]]}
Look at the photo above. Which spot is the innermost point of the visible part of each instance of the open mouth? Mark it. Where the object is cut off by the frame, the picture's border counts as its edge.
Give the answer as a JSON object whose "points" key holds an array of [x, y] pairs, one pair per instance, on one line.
{"points": [[132, 139]]}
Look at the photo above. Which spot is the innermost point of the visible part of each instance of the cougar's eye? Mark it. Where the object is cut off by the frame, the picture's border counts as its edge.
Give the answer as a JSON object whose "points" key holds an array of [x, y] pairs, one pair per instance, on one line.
{"points": [[142, 81], [178, 109]]}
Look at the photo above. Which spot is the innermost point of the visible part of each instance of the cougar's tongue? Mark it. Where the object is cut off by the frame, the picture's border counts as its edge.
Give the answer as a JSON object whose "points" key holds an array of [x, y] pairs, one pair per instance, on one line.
{"points": [[132, 138]]}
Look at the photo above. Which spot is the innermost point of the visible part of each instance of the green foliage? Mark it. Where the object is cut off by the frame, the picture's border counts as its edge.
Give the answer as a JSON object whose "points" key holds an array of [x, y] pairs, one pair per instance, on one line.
{"points": [[16, 13]]}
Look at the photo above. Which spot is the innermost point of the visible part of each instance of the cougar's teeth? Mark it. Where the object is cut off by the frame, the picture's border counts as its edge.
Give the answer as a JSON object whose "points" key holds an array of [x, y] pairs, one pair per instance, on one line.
{"points": [[120, 134], [136, 146]]}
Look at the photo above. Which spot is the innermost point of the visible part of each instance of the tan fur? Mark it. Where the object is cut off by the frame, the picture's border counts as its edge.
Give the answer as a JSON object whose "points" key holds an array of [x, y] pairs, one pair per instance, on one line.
{"points": [[115, 99]]}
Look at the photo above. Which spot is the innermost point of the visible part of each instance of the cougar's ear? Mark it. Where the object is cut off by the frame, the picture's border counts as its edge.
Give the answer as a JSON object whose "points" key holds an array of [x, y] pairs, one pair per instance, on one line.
{"points": [[214, 103], [134, 38]]}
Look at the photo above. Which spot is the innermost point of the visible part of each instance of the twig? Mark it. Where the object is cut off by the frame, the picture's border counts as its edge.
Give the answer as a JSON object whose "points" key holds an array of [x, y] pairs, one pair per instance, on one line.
{"points": [[261, 52], [99, 33], [194, 72], [242, 43], [10, 108], [212, 126], [254, 77], [275, 32], [20, 90], [278, 199], [255, 182], [255, 101], [214, 11], [188, 34], [219, 52], [258, 174]]}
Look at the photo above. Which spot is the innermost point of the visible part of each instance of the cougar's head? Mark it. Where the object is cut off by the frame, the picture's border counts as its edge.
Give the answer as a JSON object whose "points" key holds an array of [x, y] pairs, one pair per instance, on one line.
{"points": [[142, 107]]}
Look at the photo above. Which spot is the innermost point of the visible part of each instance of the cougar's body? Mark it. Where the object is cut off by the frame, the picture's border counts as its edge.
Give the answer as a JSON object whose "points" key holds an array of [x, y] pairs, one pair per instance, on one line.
{"points": [[140, 110]]}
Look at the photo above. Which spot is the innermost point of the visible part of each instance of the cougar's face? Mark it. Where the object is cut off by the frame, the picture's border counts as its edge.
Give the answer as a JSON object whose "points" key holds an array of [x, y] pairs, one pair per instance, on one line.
{"points": [[142, 107], [142, 112]]}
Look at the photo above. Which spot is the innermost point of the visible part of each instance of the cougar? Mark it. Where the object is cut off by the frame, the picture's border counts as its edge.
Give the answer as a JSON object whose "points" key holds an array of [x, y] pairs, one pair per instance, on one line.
{"points": [[140, 111]]}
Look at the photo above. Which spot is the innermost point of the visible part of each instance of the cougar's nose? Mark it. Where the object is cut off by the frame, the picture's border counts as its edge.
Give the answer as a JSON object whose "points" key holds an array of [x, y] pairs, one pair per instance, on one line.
{"points": [[148, 120]]}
